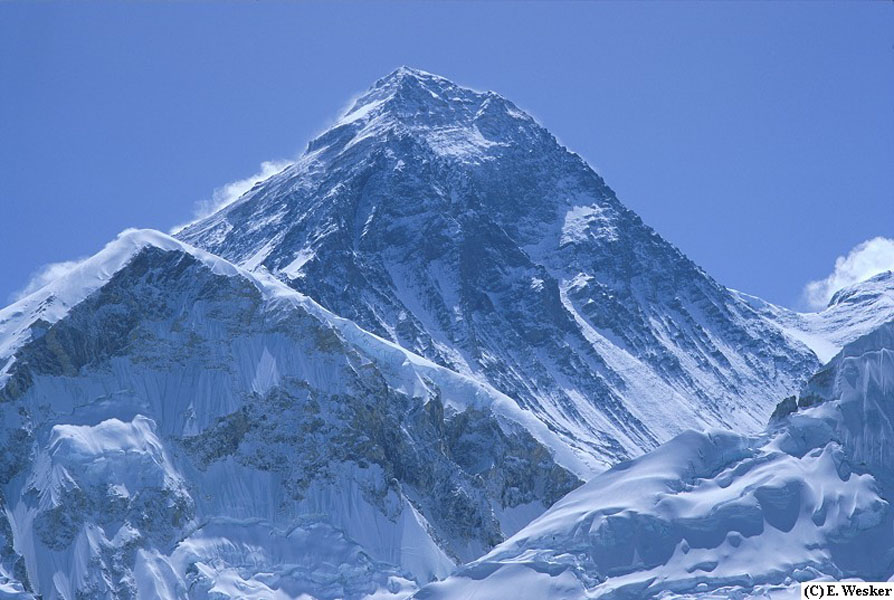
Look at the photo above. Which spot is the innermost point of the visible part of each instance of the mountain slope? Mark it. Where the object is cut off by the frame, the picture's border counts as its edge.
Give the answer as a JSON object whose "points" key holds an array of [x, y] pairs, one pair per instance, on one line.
{"points": [[852, 312], [722, 515], [451, 223], [173, 426]]}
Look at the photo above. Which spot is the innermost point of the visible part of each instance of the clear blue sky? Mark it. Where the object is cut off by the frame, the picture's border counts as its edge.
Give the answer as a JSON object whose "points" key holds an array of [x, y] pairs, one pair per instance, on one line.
{"points": [[758, 137]]}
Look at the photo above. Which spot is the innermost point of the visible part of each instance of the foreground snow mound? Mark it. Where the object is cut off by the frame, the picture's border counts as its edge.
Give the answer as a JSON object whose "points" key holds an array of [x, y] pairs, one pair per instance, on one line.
{"points": [[172, 426], [447, 220], [720, 515], [252, 560]]}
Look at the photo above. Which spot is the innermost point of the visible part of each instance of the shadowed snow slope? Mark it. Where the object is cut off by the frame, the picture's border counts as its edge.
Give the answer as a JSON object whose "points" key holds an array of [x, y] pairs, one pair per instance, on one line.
{"points": [[719, 515], [447, 220], [173, 426]]}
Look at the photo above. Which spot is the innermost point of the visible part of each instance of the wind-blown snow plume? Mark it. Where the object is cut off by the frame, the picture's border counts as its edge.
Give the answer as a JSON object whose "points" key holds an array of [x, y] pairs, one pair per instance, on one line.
{"points": [[864, 261], [228, 193], [44, 275]]}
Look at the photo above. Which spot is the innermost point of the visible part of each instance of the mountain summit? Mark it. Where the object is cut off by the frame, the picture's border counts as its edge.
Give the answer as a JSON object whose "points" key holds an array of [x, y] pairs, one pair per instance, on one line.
{"points": [[452, 120], [450, 222]]}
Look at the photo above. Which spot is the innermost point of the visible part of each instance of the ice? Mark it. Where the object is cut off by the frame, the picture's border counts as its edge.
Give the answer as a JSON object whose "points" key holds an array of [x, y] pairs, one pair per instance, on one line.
{"points": [[721, 515], [583, 221], [118, 481]]}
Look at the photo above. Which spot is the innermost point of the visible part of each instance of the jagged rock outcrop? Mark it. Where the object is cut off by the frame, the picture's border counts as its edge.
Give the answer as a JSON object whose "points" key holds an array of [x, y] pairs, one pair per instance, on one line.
{"points": [[450, 222]]}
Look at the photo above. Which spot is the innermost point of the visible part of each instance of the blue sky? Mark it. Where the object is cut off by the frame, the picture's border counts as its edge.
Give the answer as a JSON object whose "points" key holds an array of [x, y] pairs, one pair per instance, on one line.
{"points": [[757, 137]]}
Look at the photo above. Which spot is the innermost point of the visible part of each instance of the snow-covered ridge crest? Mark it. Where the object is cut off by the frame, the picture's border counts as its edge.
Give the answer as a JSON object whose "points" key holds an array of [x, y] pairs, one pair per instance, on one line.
{"points": [[852, 312], [416, 96], [52, 302], [175, 391], [877, 285]]}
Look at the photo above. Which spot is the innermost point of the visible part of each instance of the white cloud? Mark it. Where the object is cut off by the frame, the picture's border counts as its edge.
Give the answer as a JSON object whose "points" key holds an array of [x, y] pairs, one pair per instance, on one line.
{"points": [[44, 275], [230, 192], [862, 262]]}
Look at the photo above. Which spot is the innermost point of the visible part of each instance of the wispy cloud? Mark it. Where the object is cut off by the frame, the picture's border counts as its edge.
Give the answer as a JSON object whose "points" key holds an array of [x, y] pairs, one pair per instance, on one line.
{"points": [[220, 198], [44, 275], [862, 262], [230, 192]]}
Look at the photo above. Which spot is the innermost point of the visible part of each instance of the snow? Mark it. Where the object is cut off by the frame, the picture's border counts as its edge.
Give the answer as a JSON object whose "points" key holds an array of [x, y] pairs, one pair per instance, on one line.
{"points": [[721, 515], [584, 221], [852, 313], [451, 223], [657, 402], [459, 392], [266, 375], [52, 302], [459, 142], [293, 269], [233, 560], [361, 112], [105, 445], [81, 462], [255, 260], [391, 107]]}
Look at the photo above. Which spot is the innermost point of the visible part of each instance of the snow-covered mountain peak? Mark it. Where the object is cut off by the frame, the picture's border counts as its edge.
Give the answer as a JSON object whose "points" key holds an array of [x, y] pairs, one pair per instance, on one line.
{"points": [[448, 221], [404, 347], [852, 312], [451, 120], [141, 477], [406, 83], [874, 288], [422, 97], [52, 302]]}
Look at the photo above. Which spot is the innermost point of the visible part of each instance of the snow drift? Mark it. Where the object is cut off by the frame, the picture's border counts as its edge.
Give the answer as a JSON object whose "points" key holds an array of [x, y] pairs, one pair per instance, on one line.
{"points": [[721, 515]]}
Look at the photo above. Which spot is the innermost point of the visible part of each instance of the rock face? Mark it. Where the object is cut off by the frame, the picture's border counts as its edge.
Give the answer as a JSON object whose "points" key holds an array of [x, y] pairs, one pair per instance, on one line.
{"points": [[184, 429], [450, 222], [721, 515]]}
